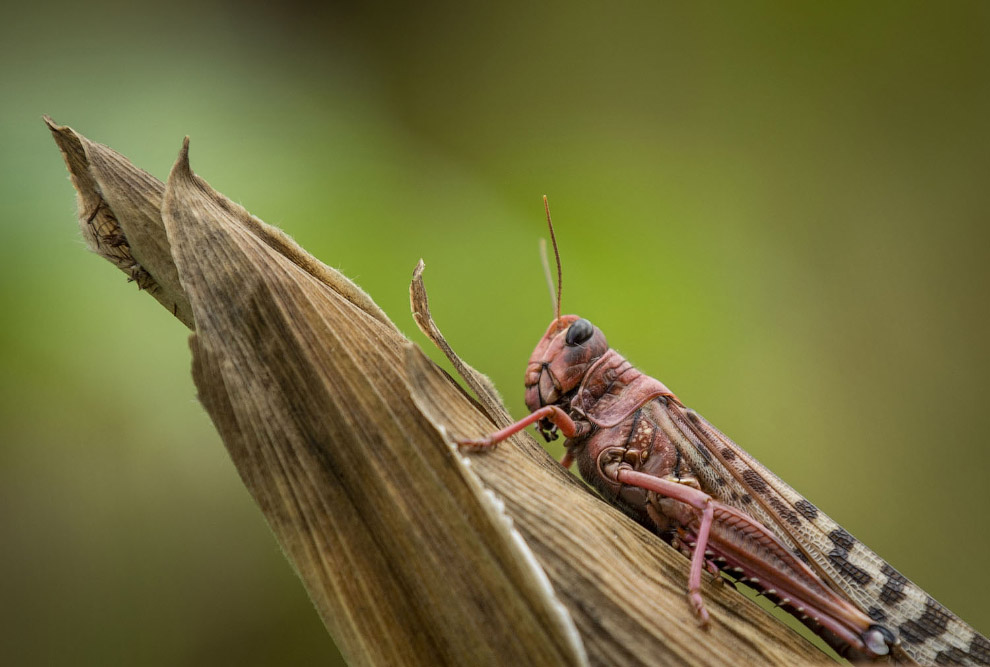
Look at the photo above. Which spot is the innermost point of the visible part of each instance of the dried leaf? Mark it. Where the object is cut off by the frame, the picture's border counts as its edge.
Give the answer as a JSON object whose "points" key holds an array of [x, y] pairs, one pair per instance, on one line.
{"points": [[399, 550], [120, 216], [412, 552]]}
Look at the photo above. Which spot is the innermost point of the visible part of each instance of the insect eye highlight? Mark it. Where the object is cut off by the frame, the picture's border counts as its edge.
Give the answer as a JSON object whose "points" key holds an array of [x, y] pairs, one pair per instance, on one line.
{"points": [[579, 332]]}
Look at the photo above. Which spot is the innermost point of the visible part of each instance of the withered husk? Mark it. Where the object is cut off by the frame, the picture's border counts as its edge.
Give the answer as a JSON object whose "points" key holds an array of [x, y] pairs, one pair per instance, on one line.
{"points": [[412, 552]]}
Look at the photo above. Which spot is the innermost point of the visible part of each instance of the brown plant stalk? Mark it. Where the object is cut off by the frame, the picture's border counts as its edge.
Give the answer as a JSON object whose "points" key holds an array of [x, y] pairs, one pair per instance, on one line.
{"points": [[412, 552]]}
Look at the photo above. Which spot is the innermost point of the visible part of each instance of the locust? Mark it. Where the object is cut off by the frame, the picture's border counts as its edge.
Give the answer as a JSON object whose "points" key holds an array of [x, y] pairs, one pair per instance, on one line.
{"points": [[664, 464]]}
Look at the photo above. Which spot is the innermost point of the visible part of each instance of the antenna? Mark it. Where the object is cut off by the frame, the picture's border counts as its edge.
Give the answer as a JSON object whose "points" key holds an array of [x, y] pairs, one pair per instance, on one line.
{"points": [[545, 261], [556, 256]]}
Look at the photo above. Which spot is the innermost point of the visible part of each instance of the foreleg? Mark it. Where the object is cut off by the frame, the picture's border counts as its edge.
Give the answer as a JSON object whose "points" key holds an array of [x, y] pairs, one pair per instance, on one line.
{"points": [[551, 412]]}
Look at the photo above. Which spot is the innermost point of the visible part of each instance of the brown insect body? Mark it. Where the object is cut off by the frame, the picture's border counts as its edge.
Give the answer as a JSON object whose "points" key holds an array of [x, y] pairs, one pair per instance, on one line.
{"points": [[621, 419], [666, 466]]}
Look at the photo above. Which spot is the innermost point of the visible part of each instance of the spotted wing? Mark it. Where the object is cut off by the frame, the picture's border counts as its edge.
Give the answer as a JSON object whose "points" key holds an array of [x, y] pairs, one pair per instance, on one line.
{"points": [[928, 632]]}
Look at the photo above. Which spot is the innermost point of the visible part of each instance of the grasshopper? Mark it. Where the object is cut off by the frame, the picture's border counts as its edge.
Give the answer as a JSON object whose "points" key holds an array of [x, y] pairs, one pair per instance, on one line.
{"points": [[661, 462]]}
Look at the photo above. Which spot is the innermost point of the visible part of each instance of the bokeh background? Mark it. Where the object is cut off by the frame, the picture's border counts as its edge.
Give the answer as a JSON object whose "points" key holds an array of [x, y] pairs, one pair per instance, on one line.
{"points": [[780, 211]]}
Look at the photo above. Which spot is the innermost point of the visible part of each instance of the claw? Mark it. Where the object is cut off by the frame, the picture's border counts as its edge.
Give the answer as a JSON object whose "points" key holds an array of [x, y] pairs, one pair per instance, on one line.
{"points": [[475, 445], [694, 597]]}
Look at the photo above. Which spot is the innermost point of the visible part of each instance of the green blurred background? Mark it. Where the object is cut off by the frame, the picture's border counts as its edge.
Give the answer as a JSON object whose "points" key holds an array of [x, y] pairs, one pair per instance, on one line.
{"points": [[780, 211]]}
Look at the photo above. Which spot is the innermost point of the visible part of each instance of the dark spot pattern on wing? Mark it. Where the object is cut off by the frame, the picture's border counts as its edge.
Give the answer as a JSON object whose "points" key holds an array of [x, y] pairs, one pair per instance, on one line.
{"points": [[839, 556], [848, 570], [746, 499], [931, 623], [950, 656], [705, 454], [728, 454], [807, 510], [785, 512], [754, 481], [842, 539], [877, 614], [979, 649], [893, 589]]}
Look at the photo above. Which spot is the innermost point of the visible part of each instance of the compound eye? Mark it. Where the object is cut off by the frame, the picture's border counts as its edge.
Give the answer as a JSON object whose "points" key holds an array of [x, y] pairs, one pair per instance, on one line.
{"points": [[579, 332]]}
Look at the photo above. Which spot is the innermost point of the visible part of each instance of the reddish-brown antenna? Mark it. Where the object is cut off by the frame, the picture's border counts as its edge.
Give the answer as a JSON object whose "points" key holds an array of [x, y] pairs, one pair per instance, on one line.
{"points": [[556, 256]]}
